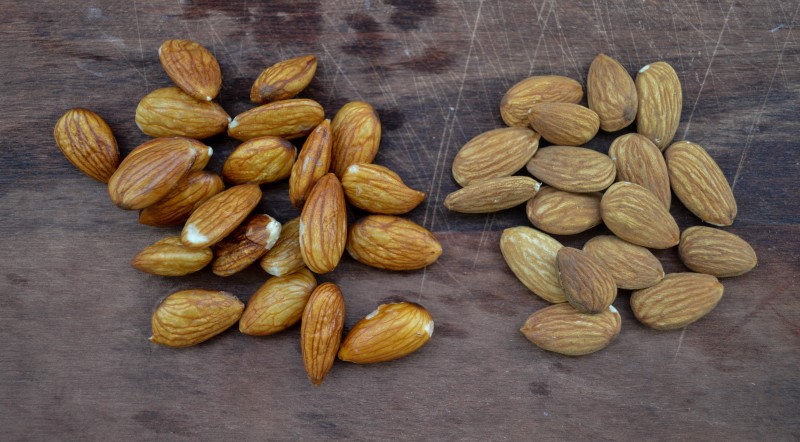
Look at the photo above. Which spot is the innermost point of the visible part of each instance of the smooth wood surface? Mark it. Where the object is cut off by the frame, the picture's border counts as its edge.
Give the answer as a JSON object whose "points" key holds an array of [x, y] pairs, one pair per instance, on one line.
{"points": [[75, 362]]}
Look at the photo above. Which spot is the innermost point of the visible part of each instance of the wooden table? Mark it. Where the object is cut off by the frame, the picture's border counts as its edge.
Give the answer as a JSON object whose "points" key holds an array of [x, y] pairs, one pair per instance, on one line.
{"points": [[75, 362]]}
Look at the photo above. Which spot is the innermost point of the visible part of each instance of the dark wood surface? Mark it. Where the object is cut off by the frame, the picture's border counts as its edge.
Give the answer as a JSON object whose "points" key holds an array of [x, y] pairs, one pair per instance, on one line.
{"points": [[75, 362]]}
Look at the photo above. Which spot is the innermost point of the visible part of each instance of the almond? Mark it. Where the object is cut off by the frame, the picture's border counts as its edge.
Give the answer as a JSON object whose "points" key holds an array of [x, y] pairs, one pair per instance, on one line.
{"points": [[392, 243], [700, 184], [190, 192], [289, 119], [611, 93], [493, 154], [492, 195], [677, 301], [284, 79], [566, 124], [633, 267], [278, 304], [312, 164], [323, 225], [390, 332], [87, 142], [249, 242], [716, 252], [321, 330], [170, 257], [563, 329], [260, 161], [202, 152], [660, 100], [588, 286], [170, 111], [572, 169], [639, 161], [285, 257], [531, 256], [192, 67], [564, 213], [637, 216], [356, 136], [517, 102], [377, 189], [190, 317], [220, 215]]}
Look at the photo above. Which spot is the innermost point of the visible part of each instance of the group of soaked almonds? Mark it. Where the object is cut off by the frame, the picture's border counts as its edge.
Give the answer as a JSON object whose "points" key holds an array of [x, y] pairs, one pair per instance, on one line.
{"points": [[629, 190], [164, 179]]}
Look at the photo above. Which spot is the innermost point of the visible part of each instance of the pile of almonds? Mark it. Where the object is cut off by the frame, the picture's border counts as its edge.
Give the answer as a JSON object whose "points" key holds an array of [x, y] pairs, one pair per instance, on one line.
{"points": [[629, 190], [164, 179]]}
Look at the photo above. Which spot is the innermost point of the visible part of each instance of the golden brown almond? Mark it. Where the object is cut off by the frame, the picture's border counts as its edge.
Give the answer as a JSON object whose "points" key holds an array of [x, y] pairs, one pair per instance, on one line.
{"points": [[172, 112], [633, 267], [493, 154], [392, 243], [390, 332], [284, 79], [700, 184], [531, 256], [573, 169], [192, 191], [192, 67], [517, 102], [285, 257], [312, 164], [566, 124], [202, 152], [278, 304], [356, 131], [611, 93], [660, 100], [87, 142], [190, 317], [321, 330], [639, 161], [292, 118], [492, 195], [260, 161], [170, 257], [588, 286], [220, 215], [563, 329], [677, 301], [323, 225], [564, 213], [245, 245], [637, 216], [716, 252], [377, 189]]}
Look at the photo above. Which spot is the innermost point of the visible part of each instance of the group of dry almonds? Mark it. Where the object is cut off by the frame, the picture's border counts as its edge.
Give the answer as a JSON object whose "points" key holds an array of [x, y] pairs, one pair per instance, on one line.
{"points": [[164, 179], [629, 190]]}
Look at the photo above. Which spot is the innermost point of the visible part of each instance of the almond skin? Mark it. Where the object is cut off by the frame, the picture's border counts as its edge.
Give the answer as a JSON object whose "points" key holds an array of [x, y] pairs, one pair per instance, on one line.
{"points": [[716, 252], [285, 257], [220, 215], [170, 257], [633, 267], [573, 169], [531, 256], [639, 161], [312, 164], [321, 330], [563, 329], [278, 304], [677, 301], [493, 154], [323, 225], [518, 100], [637, 216], [392, 243], [87, 142], [284, 79], [377, 189], [192, 67], [566, 124], [588, 286], [564, 213], [492, 195], [289, 119], [202, 152], [245, 245], [190, 192], [260, 161], [190, 317], [172, 112], [391, 332], [356, 132], [660, 100], [611, 93]]}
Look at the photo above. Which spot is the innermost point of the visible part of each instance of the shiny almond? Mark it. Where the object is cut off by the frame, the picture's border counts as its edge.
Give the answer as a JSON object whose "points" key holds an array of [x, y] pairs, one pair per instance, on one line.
{"points": [[220, 215], [190, 192], [289, 119], [278, 304], [312, 164], [356, 131], [245, 245], [190, 317], [172, 112], [392, 243], [87, 142], [563, 329], [284, 79], [260, 161], [170, 257], [377, 189], [192, 67], [390, 332], [285, 256], [321, 330], [323, 225]]}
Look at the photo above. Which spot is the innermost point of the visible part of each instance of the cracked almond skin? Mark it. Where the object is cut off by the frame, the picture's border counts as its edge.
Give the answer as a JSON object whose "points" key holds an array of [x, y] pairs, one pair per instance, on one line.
{"points": [[87, 142], [289, 119], [640, 161], [633, 267], [321, 330], [716, 252], [312, 164], [278, 304], [190, 317], [377, 189], [392, 243], [202, 152], [170, 111], [495, 153], [573, 169], [192, 67], [611, 93], [284, 79], [220, 215], [285, 256], [532, 257], [245, 245], [192, 191], [492, 195], [356, 131], [260, 160], [660, 100], [677, 301], [563, 329], [637, 216], [517, 102], [564, 213], [170, 257], [565, 124], [390, 332], [588, 286], [323, 225]]}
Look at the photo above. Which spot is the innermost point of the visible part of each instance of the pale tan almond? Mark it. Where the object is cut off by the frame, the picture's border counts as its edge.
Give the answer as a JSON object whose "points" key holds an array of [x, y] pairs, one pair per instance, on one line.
{"points": [[637, 216], [321, 330], [190, 317], [492, 195], [278, 304], [323, 225], [611, 93], [171, 112], [660, 101], [390, 332], [170, 257], [493, 154], [716, 252], [87, 142], [356, 131], [564, 213], [531, 256], [192, 67], [285, 257], [633, 267], [573, 169], [289, 119], [639, 161], [518, 100], [245, 245], [284, 79], [260, 160], [566, 124], [392, 243], [588, 286], [563, 329], [377, 189], [312, 164], [220, 215], [192, 191], [677, 301]]}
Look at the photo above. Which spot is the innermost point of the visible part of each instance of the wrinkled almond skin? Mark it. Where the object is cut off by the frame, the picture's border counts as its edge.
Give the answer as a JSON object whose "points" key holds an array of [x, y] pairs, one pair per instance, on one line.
{"points": [[611, 93], [285, 256], [220, 215], [171, 112], [566, 124], [677, 301], [637, 216], [390, 332], [202, 152], [377, 189], [563, 329], [245, 245], [660, 101], [633, 267], [564, 213], [192, 67], [700, 184], [278, 304], [531, 256], [190, 317], [260, 161], [518, 100], [493, 154], [639, 161], [170, 257], [192, 191], [323, 225], [289, 119], [284, 79], [573, 169], [392, 243], [356, 132], [87, 142], [321, 330], [588, 286], [312, 164], [492, 195], [716, 252]]}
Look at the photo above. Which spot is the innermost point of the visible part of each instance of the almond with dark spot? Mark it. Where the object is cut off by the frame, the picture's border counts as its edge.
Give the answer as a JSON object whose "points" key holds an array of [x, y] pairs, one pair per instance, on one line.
{"points": [[284, 79]]}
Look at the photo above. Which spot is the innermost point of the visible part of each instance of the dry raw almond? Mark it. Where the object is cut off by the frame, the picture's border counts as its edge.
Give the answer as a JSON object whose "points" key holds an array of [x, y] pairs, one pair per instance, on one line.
{"points": [[392, 243], [377, 189], [190, 317], [566, 124], [172, 112], [588, 286], [388, 333], [323, 225], [356, 132], [639, 161], [677, 301], [249, 242], [716, 252], [611, 93], [492, 195], [87, 142], [660, 100], [312, 164], [517, 102], [563, 329], [531, 256], [564, 213], [260, 161], [285, 257], [493, 154], [573, 169], [192, 67], [292, 118], [321, 330], [220, 215], [192, 191], [170, 257], [633, 267], [278, 304], [637, 216], [284, 79]]}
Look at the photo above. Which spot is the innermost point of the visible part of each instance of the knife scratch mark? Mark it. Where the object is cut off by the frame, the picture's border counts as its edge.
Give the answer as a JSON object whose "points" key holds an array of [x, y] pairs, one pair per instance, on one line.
{"points": [[224, 48], [680, 343], [141, 48], [487, 225]]}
